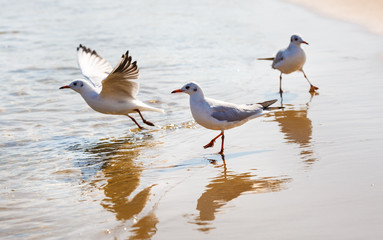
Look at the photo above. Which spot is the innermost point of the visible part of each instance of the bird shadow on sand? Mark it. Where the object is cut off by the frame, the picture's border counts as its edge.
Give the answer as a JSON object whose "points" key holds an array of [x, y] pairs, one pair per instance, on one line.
{"points": [[227, 186], [95, 156], [296, 126], [212, 158], [111, 166]]}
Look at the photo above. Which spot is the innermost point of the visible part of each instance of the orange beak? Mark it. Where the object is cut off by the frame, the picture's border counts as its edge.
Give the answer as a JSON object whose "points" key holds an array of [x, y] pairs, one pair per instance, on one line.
{"points": [[305, 42], [177, 90], [66, 86]]}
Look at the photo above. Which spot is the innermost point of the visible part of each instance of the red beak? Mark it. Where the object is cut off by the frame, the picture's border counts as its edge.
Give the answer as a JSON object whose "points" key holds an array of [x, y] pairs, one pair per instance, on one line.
{"points": [[305, 42], [66, 86], [177, 90]]}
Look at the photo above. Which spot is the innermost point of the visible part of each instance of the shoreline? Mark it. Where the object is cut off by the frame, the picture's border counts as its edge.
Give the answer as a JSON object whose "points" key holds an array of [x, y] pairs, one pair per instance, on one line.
{"points": [[367, 14]]}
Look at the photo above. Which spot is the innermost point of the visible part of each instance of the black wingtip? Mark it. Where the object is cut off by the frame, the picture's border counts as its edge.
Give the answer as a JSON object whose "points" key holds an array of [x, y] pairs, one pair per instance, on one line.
{"points": [[87, 50], [266, 104], [125, 54], [82, 47]]}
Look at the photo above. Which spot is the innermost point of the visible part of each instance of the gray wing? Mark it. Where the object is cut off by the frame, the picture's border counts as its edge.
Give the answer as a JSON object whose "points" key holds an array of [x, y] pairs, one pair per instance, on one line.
{"points": [[278, 58], [93, 66], [236, 112], [120, 82]]}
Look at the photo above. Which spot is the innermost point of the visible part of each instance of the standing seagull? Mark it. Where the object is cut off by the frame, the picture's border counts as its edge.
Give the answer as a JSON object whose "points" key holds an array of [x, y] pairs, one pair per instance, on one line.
{"points": [[218, 115], [290, 60], [107, 90]]}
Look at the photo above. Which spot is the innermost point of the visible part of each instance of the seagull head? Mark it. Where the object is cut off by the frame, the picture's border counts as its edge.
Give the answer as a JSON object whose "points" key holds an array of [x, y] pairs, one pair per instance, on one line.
{"points": [[296, 39], [191, 88], [77, 85]]}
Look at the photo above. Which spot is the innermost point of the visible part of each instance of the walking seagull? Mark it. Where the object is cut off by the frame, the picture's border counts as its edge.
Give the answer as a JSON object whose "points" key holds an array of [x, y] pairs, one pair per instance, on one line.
{"points": [[107, 90], [218, 115], [290, 60]]}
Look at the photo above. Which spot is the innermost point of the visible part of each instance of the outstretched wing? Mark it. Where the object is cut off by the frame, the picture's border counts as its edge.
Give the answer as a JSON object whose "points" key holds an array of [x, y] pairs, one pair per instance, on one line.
{"points": [[120, 82], [92, 66]]}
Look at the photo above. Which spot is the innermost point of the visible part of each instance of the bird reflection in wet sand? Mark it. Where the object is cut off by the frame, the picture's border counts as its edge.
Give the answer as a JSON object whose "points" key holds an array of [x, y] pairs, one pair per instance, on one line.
{"points": [[122, 174], [297, 128], [229, 185]]}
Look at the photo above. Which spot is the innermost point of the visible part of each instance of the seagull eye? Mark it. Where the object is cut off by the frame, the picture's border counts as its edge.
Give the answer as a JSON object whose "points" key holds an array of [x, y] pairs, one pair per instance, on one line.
{"points": [[75, 84], [187, 87], [296, 39]]}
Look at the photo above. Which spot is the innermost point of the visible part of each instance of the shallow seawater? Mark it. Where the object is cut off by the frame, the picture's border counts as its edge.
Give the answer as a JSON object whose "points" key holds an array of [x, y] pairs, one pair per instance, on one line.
{"points": [[311, 170]]}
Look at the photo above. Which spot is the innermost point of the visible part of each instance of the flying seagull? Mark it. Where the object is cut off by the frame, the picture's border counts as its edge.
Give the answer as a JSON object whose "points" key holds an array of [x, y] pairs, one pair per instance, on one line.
{"points": [[110, 90]]}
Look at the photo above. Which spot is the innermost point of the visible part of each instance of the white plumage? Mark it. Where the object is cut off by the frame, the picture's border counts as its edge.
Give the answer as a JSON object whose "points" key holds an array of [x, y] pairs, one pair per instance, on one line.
{"points": [[218, 115], [290, 59], [109, 90]]}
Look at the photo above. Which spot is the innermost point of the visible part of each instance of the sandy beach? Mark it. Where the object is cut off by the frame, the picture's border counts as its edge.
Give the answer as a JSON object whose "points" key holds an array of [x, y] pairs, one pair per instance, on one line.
{"points": [[311, 170], [365, 13]]}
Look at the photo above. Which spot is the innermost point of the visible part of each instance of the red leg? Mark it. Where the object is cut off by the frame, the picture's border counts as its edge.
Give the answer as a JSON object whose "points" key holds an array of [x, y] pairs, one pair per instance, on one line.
{"points": [[146, 122], [280, 83], [223, 139], [134, 120], [312, 87], [211, 143]]}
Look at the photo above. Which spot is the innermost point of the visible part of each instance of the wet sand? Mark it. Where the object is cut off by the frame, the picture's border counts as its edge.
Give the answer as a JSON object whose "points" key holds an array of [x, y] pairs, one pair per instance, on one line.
{"points": [[309, 171]]}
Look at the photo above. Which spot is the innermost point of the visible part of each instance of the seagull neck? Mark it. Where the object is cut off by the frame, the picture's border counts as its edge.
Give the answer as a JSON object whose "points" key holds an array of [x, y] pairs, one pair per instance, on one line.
{"points": [[197, 97], [293, 46], [88, 91]]}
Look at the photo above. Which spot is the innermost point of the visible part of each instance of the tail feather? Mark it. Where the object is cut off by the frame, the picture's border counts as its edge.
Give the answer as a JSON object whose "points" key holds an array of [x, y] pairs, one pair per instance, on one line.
{"points": [[153, 109], [145, 107], [266, 104], [269, 58]]}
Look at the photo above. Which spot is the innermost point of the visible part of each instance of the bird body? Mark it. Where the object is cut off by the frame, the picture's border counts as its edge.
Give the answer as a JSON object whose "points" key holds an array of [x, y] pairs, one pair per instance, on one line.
{"points": [[290, 59], [219, 115], [111, 105], [107, 90]]}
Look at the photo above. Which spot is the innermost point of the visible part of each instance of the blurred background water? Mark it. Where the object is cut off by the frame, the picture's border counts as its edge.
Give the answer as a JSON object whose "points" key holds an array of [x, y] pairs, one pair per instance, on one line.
{"points": [[69, 172]]}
